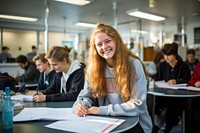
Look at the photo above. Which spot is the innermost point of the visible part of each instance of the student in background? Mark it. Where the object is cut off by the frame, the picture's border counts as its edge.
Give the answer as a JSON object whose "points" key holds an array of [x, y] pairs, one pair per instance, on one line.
{"points": [[191, 61], [152, 68], [46, 72], [4, 55], [33, 53], [68, 80], [31, 73], [116, 83], [195, 78], [173, 71], [195, 81]]}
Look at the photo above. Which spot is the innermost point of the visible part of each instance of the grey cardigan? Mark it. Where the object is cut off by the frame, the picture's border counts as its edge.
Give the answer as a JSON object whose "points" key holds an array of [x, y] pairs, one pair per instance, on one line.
{"points": [[113, 105]]}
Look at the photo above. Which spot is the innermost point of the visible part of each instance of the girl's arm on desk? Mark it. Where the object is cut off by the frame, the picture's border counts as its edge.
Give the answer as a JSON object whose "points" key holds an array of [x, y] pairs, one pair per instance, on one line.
{"points": [[39, 97]]}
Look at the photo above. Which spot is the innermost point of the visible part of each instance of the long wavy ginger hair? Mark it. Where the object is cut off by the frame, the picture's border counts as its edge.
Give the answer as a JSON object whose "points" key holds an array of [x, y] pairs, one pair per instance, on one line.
{"points": [[124, 71]]}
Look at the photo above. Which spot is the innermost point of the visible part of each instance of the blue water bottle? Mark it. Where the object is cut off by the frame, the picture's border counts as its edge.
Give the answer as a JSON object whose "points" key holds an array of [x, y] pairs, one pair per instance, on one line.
{"points": [[7, 110]]}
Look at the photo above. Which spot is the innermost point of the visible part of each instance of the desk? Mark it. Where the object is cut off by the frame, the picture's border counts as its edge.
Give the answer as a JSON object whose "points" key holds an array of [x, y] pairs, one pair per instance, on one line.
{"points": [[188, 95], [38, 126]]}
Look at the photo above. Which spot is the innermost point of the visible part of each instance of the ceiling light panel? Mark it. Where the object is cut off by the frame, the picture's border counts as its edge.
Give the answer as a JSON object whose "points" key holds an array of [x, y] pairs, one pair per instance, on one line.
{"points": [[75, 2], [19, 18], [83, 24], [140, 14]]}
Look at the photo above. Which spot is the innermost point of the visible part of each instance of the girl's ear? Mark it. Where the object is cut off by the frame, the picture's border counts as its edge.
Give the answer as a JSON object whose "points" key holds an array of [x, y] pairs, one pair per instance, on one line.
{"points": [[64, 60]]}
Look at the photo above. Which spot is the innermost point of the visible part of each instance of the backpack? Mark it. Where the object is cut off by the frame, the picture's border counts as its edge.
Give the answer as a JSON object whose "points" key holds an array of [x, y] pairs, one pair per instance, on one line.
{"points": [[7, 80]]}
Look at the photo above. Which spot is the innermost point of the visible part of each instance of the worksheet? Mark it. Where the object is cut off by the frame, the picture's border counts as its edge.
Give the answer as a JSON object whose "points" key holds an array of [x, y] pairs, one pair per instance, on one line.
{"points": [[45, 113], [22, 97], [183, 86], [163, 84], [68, 121], [91, 124]]}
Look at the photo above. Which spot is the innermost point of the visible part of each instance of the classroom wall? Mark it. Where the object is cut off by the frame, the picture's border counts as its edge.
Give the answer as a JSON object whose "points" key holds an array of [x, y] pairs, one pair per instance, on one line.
{"points": [[16, 39], [20, 41]]}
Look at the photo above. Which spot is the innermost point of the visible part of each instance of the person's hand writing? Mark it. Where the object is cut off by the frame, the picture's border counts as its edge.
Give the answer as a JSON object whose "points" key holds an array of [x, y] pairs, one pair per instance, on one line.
{"points": [[39, 97], [80, 110], [197, 84], [171, 82]]}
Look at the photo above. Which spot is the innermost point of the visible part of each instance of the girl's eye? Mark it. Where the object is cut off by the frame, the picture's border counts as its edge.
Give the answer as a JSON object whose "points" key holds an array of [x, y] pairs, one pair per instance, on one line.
{"points": [[108, 41], [99, 44]]}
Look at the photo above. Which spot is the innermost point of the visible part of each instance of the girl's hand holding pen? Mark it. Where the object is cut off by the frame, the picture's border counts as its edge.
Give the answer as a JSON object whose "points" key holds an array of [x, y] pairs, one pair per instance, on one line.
{"points": [[39, 97], [81, 110]]}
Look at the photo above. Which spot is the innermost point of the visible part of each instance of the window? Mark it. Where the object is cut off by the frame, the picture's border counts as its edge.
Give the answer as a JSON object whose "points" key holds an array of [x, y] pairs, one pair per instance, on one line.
{"points": [[197, 35]]}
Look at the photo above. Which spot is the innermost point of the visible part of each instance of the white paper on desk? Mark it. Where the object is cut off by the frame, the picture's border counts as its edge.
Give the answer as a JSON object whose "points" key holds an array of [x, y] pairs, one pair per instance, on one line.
{"points": [[163, 84], [190, 88], [44, 113], [90, 124], [22, 97], [156, 93]]}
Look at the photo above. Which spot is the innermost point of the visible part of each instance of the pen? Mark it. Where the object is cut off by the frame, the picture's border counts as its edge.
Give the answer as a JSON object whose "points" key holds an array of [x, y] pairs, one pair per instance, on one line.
{"points": [[83, 105]]}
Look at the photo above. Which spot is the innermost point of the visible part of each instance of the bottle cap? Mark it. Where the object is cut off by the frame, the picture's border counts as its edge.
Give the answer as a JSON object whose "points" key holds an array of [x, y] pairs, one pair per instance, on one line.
{"points": [[7, 91]]}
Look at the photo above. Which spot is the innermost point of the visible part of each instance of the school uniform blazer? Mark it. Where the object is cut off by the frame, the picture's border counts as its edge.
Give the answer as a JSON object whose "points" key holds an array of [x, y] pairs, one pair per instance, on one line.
{"points": [[43, 83], [74, 85]]}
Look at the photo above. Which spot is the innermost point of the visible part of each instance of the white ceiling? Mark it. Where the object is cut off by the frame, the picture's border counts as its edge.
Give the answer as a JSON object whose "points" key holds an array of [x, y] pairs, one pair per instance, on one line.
{"points": [[97, 11]]}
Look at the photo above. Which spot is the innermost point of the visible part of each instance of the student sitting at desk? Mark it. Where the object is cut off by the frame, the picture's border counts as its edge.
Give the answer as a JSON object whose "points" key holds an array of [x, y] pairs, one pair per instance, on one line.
{"points": [[31, 73], [46, 73], [4, 55], [173, 71], [32, 54], [195, 78], [116, 82], [195, 81], [68, 80], [191, 61]]}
